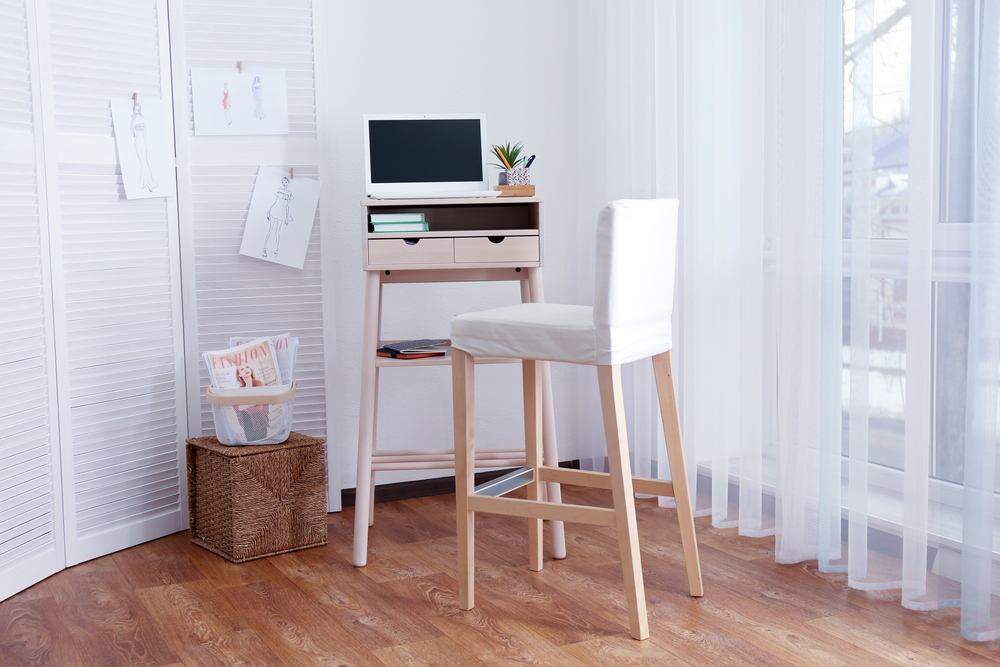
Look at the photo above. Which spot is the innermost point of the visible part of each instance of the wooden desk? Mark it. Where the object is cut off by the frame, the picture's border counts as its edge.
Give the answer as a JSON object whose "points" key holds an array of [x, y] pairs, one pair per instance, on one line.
{"points": [[469, 240]]}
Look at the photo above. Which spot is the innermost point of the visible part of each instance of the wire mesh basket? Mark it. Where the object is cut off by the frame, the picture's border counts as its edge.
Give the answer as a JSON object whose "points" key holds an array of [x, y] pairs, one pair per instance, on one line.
{"points": [[253, 415]]}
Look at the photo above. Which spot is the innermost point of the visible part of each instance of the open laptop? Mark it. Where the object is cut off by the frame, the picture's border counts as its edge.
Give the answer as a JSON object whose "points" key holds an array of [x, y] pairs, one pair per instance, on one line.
{"points": [[426, 156]]}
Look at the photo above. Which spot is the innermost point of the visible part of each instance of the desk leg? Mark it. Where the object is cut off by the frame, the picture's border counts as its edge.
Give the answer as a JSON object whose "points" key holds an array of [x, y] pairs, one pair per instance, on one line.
{"points": [[532, 291], [371, 476], [366, 425], [378, 335]]}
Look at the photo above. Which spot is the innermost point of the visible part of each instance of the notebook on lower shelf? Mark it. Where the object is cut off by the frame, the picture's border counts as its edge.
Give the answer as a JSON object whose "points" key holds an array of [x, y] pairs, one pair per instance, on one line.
{"points": [[413, 349], [408, 354]]}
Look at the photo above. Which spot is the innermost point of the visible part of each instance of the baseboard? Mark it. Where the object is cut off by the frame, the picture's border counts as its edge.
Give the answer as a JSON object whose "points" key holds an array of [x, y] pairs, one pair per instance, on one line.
{"points": [[439, 486]]}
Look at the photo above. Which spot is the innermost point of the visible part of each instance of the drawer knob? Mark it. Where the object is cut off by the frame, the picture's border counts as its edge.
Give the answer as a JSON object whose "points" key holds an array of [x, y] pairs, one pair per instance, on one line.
{"points": [[411, 241], [495, 239]]}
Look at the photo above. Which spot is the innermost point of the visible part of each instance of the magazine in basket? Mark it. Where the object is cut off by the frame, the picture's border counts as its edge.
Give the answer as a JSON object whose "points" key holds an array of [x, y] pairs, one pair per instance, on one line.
{"points": [[251, 364], [244, 366], [285, 346]]}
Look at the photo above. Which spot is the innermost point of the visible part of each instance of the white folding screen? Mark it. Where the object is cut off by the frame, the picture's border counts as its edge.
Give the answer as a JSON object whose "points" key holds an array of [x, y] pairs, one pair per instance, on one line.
{"points": [[115, 280], [31, 537], [94, 403], [227, 293]]}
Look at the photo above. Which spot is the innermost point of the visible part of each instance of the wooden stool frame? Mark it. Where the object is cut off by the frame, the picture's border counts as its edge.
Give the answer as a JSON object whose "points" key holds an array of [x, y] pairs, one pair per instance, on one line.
{"points": [[488, 498]]}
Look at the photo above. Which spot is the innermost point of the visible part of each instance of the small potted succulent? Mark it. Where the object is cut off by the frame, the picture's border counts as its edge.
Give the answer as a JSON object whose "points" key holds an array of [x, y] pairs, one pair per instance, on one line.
{"points": [[512, 162]]}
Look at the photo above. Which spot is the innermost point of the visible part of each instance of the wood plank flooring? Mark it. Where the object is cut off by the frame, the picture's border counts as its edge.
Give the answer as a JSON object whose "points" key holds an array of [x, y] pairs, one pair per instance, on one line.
{"points": [[169, 603]]}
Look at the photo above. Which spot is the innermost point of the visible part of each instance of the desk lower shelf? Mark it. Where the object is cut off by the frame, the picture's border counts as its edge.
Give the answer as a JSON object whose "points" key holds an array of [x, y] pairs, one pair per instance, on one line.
{"points": [[385, 362]]}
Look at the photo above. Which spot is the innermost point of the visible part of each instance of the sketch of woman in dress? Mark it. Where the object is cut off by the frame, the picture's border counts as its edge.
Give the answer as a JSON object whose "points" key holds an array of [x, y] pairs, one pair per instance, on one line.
{"points": [[279, 213], [138, 127], [258, 112], [226, 103]]}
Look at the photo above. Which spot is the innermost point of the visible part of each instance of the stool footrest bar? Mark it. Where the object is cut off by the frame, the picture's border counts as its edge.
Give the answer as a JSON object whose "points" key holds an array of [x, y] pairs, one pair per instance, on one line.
{"points": [[537, 509], [506, 483], [602, 480]]}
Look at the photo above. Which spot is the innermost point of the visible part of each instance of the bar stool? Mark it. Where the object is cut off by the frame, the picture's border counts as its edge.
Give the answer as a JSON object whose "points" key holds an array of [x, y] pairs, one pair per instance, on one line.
{"points": [[636, 250]]}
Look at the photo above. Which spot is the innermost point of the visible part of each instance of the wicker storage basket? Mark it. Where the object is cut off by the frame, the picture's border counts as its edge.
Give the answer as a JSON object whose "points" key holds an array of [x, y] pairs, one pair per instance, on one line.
{"points": [[259, 500]]}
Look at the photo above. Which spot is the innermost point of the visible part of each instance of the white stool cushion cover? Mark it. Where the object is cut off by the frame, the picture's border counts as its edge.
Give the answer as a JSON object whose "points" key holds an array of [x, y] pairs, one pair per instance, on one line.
{"points": [[634, 279], [633, 297], [549, 331]]}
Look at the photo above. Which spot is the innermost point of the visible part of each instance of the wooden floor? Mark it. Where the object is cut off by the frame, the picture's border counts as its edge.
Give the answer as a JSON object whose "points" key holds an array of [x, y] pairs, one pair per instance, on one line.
{"points": [[169, 602]]}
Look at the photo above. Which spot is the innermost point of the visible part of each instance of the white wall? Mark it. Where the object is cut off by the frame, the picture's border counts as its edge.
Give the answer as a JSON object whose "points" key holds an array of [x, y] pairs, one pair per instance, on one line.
{"points": [[513, 61]]}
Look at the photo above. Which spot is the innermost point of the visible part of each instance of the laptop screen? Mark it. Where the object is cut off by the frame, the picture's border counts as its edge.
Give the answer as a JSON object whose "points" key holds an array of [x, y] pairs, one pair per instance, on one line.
{"points": [[424, 153]]}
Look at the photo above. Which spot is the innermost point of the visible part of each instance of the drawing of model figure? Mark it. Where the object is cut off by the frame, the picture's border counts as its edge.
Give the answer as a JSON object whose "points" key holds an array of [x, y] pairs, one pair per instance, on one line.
{"points": [[226, 103], [277, 214], [138, 127], [258, 112]]}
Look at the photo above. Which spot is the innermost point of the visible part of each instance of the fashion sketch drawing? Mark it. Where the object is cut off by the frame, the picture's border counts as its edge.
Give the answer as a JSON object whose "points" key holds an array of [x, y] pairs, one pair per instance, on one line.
{"points": [[226, 104], [278, 214], [138, 127], [258, 111]]}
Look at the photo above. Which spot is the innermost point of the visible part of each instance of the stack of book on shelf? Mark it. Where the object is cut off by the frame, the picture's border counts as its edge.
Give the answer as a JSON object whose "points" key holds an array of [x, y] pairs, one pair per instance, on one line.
{"points": [[398, 222], [413, 349]]}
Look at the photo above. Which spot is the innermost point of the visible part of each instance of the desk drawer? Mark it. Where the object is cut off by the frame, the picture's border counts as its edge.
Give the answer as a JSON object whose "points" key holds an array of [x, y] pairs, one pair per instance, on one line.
{"points": [[398, 251], [507, 249]]}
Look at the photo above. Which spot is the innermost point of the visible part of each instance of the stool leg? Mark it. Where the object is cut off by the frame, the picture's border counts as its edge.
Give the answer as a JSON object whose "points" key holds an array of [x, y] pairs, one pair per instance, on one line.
{"points": [[532, 378], [553, 492], [663, 372], [463, 388], [610, 382]]}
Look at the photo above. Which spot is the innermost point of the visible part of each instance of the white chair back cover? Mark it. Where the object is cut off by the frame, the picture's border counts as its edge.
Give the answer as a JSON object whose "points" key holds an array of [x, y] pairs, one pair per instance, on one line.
{"points": [[634, 289]]}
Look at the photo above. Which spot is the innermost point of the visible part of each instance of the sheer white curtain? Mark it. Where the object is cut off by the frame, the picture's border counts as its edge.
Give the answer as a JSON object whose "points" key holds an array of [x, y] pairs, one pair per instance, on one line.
{"points": [[838, 330], [628, 136]]}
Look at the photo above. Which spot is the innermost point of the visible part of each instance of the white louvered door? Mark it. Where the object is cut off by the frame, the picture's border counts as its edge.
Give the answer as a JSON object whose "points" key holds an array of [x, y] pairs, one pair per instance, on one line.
{"points": [[226, 293], [31, 538], [115, 281]]}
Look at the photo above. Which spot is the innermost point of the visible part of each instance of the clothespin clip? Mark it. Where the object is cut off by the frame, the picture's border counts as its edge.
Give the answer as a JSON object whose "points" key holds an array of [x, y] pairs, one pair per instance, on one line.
{"points": [[239, 66], [135, 98], [291, 173]]}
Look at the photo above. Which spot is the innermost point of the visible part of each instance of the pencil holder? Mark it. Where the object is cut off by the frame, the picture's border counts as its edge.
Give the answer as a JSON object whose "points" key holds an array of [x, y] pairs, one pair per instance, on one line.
{"points": [[518, 176]]}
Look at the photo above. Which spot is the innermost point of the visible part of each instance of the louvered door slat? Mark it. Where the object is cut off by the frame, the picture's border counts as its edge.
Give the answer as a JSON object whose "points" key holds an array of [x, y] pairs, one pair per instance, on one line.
{"points": [[101, 458], [101, 49], [26, 500], [31, 514], [121, 442], [152, 488], [131, 509], [25, 479]]}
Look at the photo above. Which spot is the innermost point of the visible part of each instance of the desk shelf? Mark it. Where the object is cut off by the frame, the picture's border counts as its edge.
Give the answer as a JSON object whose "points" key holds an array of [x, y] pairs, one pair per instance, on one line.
{"points": [[454, 234], [498, 233]]}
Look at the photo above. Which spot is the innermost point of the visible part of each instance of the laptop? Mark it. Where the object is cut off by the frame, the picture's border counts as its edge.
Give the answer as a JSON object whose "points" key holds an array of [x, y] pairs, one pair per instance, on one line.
{"points": [[426, 156]]}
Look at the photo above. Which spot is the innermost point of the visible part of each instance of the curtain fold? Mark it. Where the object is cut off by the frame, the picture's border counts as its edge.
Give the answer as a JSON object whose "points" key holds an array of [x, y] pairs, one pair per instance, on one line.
{"points": [[837, 343], [979, 568]]}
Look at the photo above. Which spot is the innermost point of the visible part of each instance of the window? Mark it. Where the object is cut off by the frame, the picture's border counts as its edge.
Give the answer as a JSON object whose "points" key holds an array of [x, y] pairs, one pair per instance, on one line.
{"points": [[889, 111]]}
